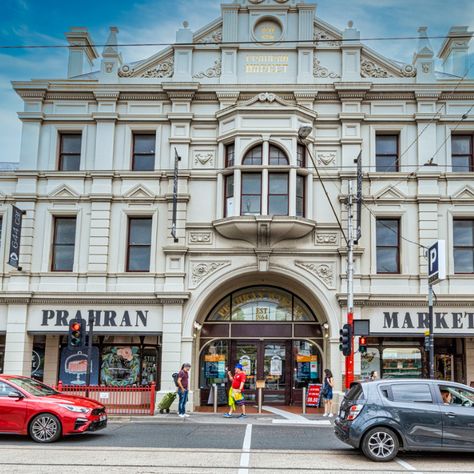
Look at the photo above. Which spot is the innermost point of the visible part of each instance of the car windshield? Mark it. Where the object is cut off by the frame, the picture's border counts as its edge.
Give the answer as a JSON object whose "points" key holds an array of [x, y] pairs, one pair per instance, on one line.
{"points": [[33, 386]]}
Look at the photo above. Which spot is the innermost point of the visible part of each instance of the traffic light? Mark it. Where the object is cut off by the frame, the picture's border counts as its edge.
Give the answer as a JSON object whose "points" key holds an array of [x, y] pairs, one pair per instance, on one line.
{"points": [[345, 340], [77, 334], [362, 344]]}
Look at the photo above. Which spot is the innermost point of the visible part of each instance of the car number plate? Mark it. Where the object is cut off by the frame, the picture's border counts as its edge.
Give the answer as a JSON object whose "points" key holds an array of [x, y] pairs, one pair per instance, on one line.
{"points": [[103, 418]]}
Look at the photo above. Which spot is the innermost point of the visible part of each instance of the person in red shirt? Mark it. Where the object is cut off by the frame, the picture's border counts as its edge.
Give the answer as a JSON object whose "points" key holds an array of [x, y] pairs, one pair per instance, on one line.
{"points": [[238, 382]]}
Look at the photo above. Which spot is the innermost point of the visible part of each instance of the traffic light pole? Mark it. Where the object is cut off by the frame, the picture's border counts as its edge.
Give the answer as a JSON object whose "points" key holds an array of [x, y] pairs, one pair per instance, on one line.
{"points": [[350, 286], [89, 351]]}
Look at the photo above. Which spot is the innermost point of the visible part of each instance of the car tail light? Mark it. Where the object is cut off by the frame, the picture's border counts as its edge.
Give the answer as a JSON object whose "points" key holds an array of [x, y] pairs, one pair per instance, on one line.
{"points": [[354, 411]]}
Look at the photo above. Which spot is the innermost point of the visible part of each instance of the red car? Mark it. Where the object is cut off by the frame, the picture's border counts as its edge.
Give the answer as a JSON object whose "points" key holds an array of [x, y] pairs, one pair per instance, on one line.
{"points": [[31, 407]]}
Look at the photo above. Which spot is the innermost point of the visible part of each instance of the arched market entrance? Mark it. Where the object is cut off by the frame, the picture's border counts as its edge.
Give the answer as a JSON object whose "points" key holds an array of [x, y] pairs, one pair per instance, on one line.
{"points": [[273, 333]]}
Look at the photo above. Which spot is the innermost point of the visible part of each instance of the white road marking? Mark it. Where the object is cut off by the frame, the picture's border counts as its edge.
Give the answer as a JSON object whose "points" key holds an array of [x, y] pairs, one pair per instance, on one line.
{"points": [[293, 418], [245, 456], [407, 466]]}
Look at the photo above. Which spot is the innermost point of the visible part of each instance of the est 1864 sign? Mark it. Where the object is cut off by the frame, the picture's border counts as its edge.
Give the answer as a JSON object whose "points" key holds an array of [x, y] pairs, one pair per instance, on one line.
{"points": [[437, 262]]}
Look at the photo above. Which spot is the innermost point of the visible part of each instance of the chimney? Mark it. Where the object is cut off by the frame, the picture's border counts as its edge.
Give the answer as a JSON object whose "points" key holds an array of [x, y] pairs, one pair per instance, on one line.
{"points": [[454, 51], [81, 52]]}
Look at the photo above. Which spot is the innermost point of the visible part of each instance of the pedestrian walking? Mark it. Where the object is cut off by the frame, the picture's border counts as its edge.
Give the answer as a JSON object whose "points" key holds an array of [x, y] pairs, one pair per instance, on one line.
{"points": [[327, 392], [236, 397], [373, 375], [183, 384]]}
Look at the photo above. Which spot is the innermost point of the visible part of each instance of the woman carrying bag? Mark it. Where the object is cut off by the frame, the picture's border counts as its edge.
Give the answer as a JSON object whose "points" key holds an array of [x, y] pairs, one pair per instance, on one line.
{"points": [[327, 392]]}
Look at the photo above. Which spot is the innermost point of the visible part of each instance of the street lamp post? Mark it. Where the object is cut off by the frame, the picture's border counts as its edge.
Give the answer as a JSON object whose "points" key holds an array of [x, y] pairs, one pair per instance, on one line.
{"points": [[303, 134]]}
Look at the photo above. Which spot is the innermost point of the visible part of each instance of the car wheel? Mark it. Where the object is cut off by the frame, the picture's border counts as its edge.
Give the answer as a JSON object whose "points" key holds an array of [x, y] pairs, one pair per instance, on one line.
{"points": [[45, 428], [380, 444]]}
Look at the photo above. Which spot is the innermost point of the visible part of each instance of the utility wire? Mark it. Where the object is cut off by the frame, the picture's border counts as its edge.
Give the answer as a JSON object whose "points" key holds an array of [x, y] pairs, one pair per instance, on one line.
{"points": [[263, 43]]}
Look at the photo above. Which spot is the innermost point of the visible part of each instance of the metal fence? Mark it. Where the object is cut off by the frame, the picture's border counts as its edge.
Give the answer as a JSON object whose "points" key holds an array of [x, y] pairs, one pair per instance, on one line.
{"points": [[117, 400]]}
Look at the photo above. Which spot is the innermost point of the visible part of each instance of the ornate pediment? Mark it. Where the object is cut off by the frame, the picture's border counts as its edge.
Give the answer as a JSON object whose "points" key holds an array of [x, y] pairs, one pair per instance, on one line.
{"points": [[139, 192], [376, 66], [390, 193], [158, 66], [326, 36], [466, 193], [267, 98], [210, 34], [64, 191]]}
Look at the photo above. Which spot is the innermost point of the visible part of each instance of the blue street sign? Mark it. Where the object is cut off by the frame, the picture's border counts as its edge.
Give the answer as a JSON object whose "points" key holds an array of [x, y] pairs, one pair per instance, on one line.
{"points": [[437, 262]]}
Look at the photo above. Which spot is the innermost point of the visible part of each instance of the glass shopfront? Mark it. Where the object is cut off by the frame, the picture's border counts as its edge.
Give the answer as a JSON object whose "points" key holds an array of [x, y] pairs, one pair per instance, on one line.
{"points": [[2, 352], [269, 331], [118, 361], [407, 358]]}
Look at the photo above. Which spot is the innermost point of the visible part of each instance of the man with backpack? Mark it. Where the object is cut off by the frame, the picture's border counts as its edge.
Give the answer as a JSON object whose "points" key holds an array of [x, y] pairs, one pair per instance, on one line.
{"points": [[183, 384]]}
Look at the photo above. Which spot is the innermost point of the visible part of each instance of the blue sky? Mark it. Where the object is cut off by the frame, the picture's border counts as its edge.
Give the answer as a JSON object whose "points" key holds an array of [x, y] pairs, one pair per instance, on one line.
{"points": [[35, 22]]}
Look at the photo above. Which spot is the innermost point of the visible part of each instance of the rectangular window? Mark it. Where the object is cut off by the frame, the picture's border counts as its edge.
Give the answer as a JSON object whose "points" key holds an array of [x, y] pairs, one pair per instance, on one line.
{"points": [[69, 151], [143, 152], [301, 156], [251, 203], [229, 196], [63, 244], [139, 244], [278, 194], [462, 153], [300, 188], [409, 393], [463, 239], [229, 155], [386, 153], [388, 245]]}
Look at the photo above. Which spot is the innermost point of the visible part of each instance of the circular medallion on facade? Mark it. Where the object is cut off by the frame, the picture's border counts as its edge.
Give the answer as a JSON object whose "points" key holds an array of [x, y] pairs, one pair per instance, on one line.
{"points": [[281, 1], [255, 1], [268, 30]]}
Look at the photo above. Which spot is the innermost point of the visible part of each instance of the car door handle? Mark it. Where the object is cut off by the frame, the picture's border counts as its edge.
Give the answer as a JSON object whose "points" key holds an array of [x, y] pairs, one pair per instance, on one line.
{"points": [[450, 414]]}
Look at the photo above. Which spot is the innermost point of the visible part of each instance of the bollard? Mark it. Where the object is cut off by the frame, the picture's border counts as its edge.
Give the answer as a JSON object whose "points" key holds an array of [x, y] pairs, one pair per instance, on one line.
{"points": [[260, 400], [304, 400], [214, 388]]}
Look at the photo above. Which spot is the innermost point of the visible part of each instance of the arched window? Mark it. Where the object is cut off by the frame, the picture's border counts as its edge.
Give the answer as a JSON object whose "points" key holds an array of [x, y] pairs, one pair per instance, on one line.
{"points": [[277, 156], [253, 156]]}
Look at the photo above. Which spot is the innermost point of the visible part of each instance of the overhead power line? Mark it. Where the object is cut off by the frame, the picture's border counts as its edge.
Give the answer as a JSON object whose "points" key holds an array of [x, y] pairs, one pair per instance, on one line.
{"points": [[262, 43]]}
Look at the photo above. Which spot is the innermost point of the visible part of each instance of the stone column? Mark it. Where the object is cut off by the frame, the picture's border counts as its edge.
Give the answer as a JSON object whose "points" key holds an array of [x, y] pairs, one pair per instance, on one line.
{"points": [[51, 358], [18, 343]]}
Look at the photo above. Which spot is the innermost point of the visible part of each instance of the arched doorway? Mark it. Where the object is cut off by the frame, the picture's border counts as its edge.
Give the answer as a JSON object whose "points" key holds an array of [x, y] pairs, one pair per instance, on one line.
{"points": [[274, 335]]}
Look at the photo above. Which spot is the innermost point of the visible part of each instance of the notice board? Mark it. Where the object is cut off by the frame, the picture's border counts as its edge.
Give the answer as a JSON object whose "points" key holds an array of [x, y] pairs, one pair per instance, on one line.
{"points": [[313, 395]]}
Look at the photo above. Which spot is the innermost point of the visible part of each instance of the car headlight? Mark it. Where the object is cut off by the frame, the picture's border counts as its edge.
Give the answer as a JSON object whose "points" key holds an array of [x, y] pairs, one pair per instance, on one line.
{"points": [[75, 409]]}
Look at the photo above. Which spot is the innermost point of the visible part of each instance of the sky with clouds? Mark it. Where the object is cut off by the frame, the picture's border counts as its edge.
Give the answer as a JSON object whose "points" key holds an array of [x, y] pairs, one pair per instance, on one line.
{"points": [[39, 22]]}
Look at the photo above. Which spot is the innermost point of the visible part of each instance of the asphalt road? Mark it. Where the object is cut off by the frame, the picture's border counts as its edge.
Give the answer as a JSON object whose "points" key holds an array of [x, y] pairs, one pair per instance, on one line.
{"points": [[198, 436]]}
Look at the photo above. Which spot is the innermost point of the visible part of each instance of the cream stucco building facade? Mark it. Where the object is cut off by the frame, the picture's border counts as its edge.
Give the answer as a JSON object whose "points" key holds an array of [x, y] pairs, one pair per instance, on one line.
{"points": [[256, 272]]}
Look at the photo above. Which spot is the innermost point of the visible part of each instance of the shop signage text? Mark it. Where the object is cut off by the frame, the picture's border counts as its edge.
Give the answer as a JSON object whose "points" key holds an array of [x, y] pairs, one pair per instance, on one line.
{"points": [[102, 318], [416, 321]]}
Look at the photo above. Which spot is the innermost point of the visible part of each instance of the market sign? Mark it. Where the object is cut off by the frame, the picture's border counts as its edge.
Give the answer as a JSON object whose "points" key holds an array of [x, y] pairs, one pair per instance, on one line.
{"points": [[459, 321], [115, 320]]}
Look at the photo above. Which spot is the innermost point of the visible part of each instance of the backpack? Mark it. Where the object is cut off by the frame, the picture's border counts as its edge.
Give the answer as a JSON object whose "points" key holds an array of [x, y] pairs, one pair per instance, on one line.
{"points": [[175, 378]]}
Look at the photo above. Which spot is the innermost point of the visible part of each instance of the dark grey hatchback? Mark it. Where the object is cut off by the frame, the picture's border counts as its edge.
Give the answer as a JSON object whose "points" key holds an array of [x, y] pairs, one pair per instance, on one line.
{"points": [[388, 415]]}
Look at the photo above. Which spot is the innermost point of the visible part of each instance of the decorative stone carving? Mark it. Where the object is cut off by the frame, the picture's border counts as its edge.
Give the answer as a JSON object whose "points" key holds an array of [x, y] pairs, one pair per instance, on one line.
{"points": [[408, 70], [323, 271], [321, 71], [204, 158], [370, 69], [163, 69], [200, 238], [426, 67], [266, 97], [327, 40], [202, 270], [212, 38], [214, 71], [326, 238], [326, 157]]}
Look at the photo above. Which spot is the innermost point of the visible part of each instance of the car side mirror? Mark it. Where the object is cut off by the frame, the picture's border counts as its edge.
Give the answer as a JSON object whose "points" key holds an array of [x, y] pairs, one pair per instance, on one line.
{"points": [[15, 394]]}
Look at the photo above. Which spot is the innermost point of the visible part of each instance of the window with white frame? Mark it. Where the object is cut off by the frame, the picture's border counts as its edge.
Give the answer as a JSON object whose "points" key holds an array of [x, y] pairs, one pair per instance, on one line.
{"points": [[139, 244], [64, 238], [388, 245], [463, 245]]}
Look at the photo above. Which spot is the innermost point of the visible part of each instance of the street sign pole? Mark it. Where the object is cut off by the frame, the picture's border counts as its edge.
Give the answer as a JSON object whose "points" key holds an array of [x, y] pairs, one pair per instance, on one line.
{"points": [[89, 351], [431, 335]]}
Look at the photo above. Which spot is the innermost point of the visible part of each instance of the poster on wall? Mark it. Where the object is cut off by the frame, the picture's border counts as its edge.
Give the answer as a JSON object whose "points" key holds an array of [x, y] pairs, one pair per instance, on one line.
{"points": [[120, 366], [37, 363], [246, 364], [73, 368], [276, 366], [214, 366]]}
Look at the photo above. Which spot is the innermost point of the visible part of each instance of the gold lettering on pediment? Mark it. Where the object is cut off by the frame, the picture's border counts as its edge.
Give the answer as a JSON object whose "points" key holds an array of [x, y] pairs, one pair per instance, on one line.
{"points": [[266, 63]]}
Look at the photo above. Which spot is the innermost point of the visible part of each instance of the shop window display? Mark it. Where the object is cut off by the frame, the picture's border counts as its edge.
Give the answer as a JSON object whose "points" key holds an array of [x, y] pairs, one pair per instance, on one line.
{"points": [[2, 352], [402, 362], [369, 362], [306, 367], [120, 366]]}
